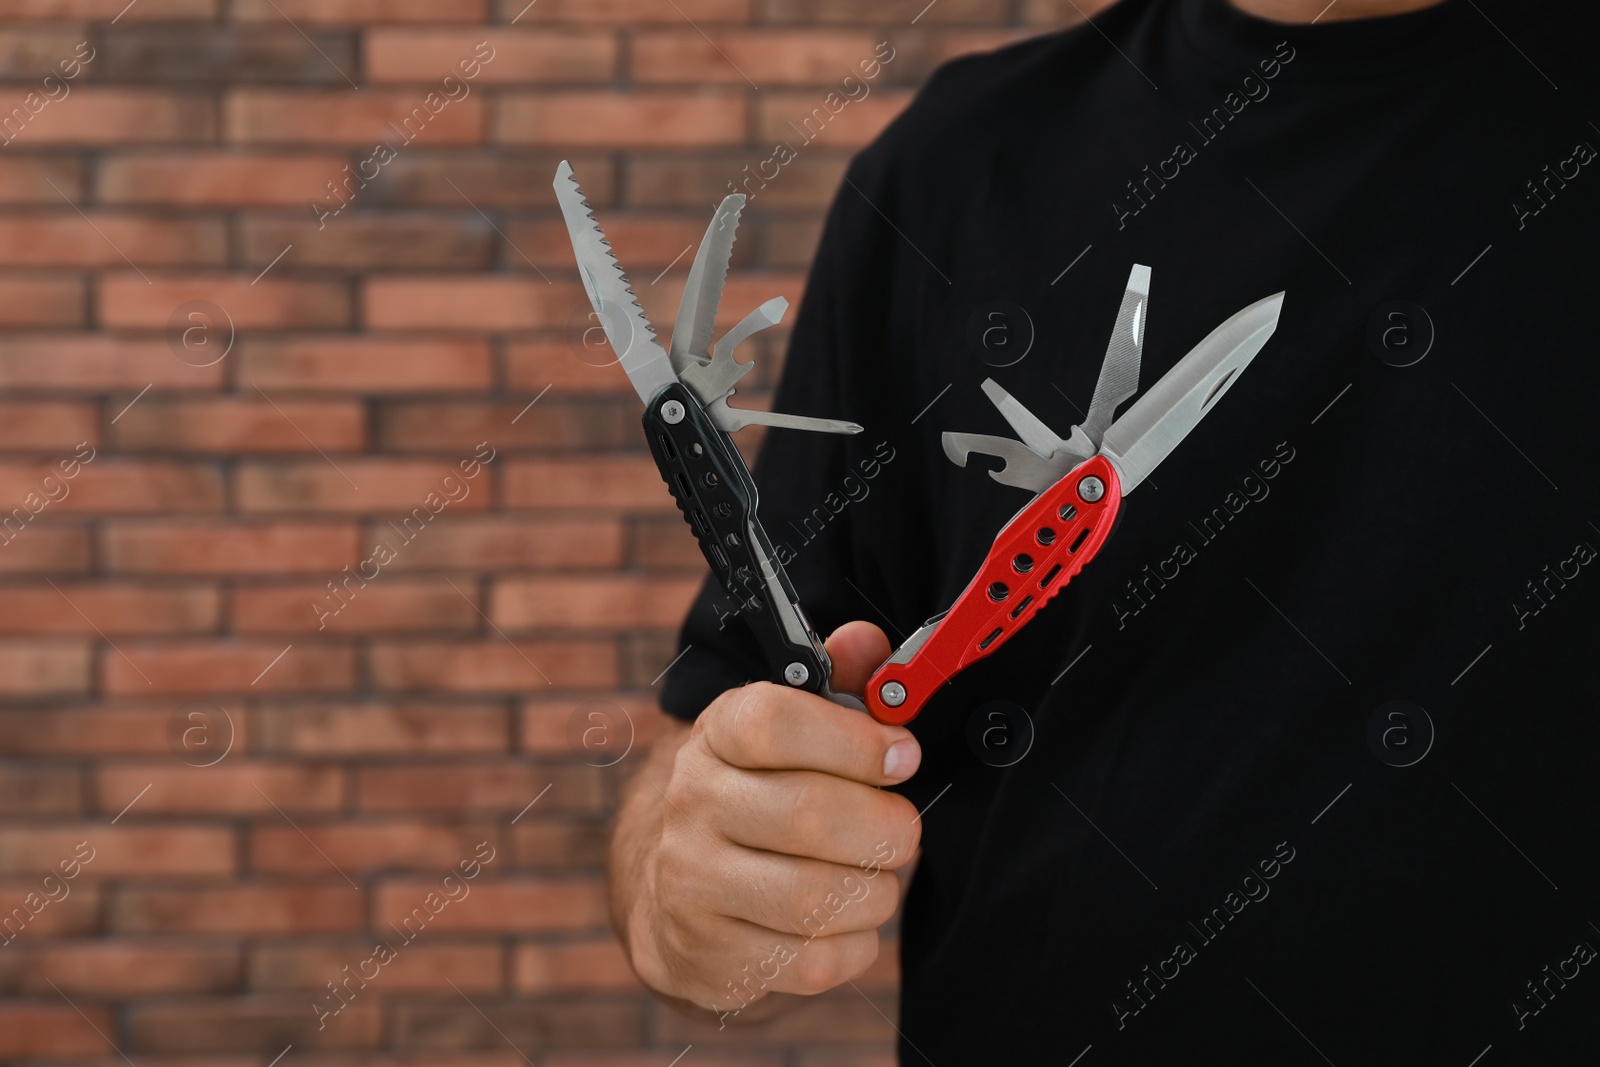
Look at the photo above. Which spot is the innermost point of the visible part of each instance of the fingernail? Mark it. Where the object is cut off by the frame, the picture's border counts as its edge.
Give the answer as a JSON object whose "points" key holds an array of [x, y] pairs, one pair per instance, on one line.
{"points": [[902, 758]]}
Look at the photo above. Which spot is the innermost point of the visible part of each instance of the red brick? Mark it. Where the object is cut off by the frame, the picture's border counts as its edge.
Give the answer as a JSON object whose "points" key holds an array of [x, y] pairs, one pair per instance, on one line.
{"points": [[33, 791], [388, 241], [41, 301], [197, 667], [451, 179], [47, 425], [602, 602], [51, 1028], [27, 53], [641, 241], [844, 1015], [68, 240], [652, 1057], [101, 730], [631, 482], [492, 666], [92, 9], [338, 116], [239, 909], [792, 118], [825, 1057], [385, 605], [127, 300], [695, 181], [477, 787], [378, 485], [768, 57], [29, 179], [840, 12], [532, 365], [361, 12], [330, 730], [474, 303], [592, 966], [131, 968], [241, 426], [364, 364], [592, 119], [105, 608], [226, 547], [559, 424], [627, 12], [75, 915], [103, 116], [664, 543], [520, 906], [493, 543], [423, 57], [216, 179], [416, 968], [96, 364], [790, 242], [43, 667], [559, 844], [232, 787], [105, 485], [168, 849], [45, 548], [1060, 13], [362, 847], [247, 1025], [546, 725]]}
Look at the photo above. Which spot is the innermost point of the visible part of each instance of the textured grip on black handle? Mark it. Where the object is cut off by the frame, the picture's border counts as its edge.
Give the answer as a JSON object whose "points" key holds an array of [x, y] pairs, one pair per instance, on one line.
{"points": [[708, 479]]}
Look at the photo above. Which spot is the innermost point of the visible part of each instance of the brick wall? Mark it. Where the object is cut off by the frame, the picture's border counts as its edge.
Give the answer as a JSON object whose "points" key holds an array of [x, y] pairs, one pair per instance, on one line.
{"points": [[216, 399]]}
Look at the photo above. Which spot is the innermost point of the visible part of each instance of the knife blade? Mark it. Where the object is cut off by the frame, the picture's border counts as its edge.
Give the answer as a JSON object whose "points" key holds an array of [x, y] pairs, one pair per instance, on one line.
{"points": [[629, 331]]}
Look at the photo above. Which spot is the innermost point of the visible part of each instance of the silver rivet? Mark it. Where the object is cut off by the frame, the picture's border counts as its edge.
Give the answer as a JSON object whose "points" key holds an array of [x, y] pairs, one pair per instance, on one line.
{"points": [[893, 694], [796, 674], [672, 412], [1091, 489]]}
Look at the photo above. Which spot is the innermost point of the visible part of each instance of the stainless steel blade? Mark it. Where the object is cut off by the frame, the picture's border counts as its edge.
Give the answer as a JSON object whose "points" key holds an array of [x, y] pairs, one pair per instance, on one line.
{"points": [[1119, 370], [709, 381], [1164, 415], [629, 331], [702, 293], [1024, 468], [729, 419], [1034, 433]]}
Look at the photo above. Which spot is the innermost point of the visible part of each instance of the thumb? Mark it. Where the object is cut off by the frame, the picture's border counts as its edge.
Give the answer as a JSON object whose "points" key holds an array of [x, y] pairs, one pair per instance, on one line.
{"points": [[857, 649]]}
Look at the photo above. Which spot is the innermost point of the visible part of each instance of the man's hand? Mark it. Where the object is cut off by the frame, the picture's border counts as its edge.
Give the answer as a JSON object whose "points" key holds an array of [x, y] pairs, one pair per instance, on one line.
{"points": [[761, 859]]}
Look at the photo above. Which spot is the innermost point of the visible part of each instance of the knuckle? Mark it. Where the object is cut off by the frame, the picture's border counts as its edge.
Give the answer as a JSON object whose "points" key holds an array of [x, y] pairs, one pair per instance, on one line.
{"points": [[743, 730], [818, 968]]}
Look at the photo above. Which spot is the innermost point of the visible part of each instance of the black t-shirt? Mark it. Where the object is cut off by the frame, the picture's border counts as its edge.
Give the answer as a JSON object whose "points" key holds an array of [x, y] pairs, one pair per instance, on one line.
{"points": [[1311, 774]]}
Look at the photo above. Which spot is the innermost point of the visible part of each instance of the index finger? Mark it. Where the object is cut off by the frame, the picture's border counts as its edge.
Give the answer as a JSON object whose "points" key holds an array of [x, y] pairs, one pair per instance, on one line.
{"points": [[765, 727]]}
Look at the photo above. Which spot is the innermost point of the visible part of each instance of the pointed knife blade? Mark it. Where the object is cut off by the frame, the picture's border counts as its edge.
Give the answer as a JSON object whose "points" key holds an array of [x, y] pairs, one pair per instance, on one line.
{"points": [[629, 331], [697, 311], [1161, 418]]}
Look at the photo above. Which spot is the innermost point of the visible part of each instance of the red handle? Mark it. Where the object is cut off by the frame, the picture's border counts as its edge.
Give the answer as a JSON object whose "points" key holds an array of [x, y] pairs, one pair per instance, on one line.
{"points": [[1036, 555]]}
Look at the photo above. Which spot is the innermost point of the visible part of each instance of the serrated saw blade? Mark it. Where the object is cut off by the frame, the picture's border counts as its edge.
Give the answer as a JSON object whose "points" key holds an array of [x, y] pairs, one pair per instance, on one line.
{"points": [[629, 331]]}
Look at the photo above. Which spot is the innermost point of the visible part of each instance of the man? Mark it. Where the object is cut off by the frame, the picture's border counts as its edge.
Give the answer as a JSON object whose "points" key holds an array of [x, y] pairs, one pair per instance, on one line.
{"points": [[1298, 769]]}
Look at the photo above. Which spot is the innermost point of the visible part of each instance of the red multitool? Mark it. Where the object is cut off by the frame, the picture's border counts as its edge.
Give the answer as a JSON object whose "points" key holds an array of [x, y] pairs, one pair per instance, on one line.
{"points": [[1079, 485]]}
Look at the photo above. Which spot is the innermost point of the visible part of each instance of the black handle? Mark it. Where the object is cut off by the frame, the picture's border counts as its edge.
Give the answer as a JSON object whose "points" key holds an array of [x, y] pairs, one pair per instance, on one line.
{"points": [[713, 488]]}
